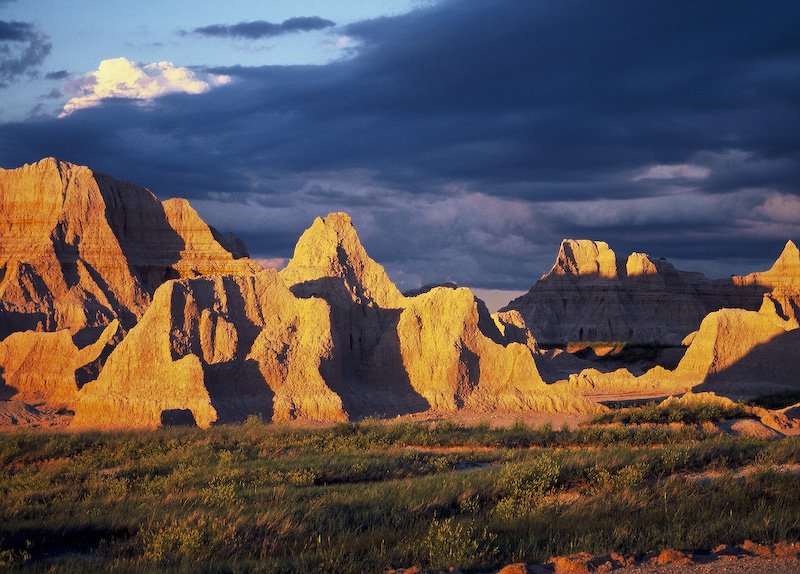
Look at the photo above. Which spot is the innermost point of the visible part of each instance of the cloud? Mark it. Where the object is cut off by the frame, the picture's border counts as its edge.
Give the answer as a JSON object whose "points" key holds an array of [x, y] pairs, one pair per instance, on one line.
{"points": [[15, 31], [59, 75], [22, 50], [262, 29], [681, 171], [468, 138], [121, 78]]}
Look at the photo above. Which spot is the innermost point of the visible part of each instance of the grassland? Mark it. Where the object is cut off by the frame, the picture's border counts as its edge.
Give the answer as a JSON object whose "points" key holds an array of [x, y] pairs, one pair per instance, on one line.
{"points": [[371, 496]]}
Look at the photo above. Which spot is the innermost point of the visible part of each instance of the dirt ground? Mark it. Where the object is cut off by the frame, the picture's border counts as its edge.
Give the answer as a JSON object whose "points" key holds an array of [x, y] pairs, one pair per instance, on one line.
{"points": [[749, 558]]}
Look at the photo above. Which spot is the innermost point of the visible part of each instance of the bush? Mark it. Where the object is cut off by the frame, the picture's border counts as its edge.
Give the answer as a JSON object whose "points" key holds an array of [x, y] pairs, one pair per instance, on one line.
{"points": [[451, 544], [531, 480]]}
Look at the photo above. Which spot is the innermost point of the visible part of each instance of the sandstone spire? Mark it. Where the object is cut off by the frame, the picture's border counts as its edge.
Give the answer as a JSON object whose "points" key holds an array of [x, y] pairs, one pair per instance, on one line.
{"points": [[330, 248]]}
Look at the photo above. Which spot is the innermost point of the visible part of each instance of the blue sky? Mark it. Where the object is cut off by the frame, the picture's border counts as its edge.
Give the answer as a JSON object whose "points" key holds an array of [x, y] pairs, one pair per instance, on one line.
{"points": [[466, 138]]}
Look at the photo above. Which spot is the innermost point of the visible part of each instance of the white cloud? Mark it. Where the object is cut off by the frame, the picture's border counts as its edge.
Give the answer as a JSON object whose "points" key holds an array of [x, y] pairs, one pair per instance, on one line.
{"points": [[781, 208], [676, 171], [121, 78]]}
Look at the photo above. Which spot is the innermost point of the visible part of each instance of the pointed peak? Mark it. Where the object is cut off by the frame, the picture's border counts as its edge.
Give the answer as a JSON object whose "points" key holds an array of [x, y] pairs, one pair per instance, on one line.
{"points": [[786, 268], [785, 272], [585, 257], [331, 248], [790, 254], [339, 221]]}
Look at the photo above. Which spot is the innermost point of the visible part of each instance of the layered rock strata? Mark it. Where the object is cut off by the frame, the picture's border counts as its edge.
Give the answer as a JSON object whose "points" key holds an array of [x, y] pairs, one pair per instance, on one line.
{"points": [[80, 251], [735, 352], [591, 295]]}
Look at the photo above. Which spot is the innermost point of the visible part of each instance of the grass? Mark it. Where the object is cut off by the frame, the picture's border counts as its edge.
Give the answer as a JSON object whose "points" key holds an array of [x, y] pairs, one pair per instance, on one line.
{"points": [[675, 412], [370, 497]]}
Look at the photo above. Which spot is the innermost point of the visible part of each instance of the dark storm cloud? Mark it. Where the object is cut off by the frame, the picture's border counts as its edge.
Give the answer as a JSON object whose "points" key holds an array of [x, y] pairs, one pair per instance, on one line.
{"points": [[467, 130], [262, 29], [22, 50], [15, 31], [59, 75]]}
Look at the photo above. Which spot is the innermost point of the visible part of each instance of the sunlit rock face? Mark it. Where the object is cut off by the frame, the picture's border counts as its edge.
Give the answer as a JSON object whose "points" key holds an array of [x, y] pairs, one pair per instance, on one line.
{"points": [[49, 367], [221, 348], [392, 354], [328, 338], [80, 251], [735, 352], [783, 281], [591, 295]]}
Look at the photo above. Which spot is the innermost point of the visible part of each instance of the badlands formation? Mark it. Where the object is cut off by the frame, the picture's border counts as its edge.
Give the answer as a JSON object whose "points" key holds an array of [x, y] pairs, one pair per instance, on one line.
{"points": [[134, 313]]}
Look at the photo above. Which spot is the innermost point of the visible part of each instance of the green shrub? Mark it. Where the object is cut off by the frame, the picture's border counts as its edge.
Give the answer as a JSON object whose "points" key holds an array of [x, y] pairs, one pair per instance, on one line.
{"points": [[458, 544], [532, 479]]}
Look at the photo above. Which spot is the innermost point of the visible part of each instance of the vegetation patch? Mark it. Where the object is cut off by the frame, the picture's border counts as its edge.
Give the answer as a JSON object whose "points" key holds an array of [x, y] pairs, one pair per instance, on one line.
{"points": [[372, 497], [676, 411]]}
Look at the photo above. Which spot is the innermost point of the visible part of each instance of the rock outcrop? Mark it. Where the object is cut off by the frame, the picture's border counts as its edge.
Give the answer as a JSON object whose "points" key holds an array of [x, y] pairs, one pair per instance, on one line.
{"points": [[591, 295], [41, 366], [735, 353], [215, 350], [138, 314], [340, 342], [392, 354], [80, 251]]}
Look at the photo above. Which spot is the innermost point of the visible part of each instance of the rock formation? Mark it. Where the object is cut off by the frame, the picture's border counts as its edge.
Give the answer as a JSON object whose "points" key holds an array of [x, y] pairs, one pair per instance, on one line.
{"points": [[591, 295], [215, 350], [440, 349], [80, 251], [339, 342], [138, 314], [737, 353], [49, 366]]}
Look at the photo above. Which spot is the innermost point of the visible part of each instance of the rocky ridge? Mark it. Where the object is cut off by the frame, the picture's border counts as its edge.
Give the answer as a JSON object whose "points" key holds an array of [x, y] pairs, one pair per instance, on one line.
{"points": [[328, 338], [592, 295], [80, 251], [135, 313]]}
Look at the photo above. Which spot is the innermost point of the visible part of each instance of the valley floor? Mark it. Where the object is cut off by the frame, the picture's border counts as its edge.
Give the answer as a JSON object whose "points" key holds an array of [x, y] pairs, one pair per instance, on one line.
{"points": [[432, 494]]}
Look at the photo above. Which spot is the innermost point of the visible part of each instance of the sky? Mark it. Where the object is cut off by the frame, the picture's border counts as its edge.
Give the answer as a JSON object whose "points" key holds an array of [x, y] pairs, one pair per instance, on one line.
{"points": [[465, 138]]}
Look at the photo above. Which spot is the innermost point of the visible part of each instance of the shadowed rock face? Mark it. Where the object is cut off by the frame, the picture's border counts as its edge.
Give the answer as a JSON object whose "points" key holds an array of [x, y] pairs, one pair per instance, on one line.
{"points": [[590, 295]]}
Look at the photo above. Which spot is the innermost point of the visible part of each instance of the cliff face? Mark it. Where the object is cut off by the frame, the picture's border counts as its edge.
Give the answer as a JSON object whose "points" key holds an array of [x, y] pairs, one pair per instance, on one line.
{"points": [[220, 348], [80, 251], [339, 342], [591, 295]]}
